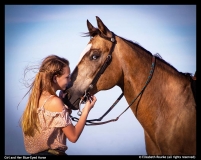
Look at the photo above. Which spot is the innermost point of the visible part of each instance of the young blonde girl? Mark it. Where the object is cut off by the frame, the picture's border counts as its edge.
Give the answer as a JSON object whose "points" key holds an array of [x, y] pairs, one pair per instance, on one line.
{"points": [[45, 122]]}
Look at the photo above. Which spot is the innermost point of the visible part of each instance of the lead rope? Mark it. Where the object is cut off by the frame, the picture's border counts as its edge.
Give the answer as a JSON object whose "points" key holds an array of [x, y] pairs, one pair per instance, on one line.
{"points": [[99, 119]]}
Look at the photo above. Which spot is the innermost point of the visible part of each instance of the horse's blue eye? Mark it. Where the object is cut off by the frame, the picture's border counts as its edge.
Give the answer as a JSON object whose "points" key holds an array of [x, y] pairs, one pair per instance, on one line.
{"points": [[94, 57], [95, 54]]}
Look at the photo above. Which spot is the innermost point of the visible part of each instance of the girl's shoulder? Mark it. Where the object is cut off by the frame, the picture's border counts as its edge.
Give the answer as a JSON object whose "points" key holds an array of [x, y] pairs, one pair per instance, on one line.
{"points": [[54, 104]]}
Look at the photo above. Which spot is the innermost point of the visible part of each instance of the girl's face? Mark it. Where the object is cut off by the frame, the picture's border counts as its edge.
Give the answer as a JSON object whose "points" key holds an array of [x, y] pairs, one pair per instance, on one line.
{"points": [[63, 80]]}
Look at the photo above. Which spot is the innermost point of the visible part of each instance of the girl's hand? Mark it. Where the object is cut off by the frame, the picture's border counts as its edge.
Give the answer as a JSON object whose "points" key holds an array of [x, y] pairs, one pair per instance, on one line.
{"points": [[90, 103]]}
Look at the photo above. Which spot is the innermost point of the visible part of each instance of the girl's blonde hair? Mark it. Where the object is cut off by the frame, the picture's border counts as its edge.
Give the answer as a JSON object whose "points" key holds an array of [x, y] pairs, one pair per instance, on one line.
{"points": [[52, 65]]}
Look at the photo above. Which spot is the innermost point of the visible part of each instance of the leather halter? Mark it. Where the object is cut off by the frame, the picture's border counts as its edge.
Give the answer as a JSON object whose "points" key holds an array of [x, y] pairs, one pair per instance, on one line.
{"points": [[106, 63], [102, 69]]}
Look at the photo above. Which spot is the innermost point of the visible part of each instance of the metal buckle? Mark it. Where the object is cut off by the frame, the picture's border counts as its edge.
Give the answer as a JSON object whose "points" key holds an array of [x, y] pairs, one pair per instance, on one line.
{"points": [[112, 39]]}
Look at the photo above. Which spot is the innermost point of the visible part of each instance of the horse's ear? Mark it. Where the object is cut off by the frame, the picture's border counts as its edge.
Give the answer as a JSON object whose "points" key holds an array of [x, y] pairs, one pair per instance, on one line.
{"points": [[90, 27], [103, 28]]}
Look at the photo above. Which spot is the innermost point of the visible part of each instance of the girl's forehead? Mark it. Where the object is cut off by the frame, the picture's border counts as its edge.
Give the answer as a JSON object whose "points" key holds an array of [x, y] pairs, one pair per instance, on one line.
{"points": [[66, 70], [87, 48]]}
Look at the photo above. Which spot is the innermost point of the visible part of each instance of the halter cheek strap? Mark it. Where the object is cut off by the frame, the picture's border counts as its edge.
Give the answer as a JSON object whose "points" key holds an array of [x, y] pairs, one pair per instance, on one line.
{"points": [[106, 63]]}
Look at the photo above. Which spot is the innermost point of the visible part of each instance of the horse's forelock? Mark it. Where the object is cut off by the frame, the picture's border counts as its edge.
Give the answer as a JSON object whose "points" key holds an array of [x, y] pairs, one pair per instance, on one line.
{"points": [[92, 33]]}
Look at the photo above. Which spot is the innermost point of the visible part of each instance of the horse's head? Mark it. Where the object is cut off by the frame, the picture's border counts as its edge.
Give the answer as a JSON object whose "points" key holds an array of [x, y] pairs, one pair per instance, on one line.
{"points": [[97, 68]]}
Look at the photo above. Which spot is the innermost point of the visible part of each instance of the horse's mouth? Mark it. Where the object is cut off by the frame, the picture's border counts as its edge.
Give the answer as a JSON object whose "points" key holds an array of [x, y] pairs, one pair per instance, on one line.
{"points": [[76, 104], [67, 102]]}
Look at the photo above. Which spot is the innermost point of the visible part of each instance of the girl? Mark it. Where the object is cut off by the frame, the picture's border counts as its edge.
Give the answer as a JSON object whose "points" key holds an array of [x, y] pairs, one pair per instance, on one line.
{"points": [[45, 122]]}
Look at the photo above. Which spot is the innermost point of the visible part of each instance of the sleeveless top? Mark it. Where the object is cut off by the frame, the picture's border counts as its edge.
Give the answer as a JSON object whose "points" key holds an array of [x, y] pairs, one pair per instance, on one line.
{"points": [[51, 135]]}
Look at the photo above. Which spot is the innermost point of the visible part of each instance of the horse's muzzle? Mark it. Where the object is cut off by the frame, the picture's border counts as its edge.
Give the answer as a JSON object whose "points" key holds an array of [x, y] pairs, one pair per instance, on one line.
{"points": [[67, 102]]}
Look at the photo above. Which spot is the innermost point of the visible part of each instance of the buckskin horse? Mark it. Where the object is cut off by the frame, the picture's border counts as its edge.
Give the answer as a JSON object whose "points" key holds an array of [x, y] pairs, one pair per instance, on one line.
{"points": [[159, 95]]}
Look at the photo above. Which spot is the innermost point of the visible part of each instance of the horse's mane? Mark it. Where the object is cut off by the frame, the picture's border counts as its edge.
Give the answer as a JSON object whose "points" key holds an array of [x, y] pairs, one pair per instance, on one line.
{"points": [[158, 56], [134, 45]]}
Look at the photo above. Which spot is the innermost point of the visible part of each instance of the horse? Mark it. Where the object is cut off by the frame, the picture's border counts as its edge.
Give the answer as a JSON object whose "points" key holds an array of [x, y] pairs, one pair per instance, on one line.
{"points": [[160, 97]]}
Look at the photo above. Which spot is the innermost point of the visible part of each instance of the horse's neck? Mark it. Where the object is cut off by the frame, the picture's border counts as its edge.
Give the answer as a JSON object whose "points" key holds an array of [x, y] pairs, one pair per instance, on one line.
{"points": [[167, 104], [136, 66]]}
